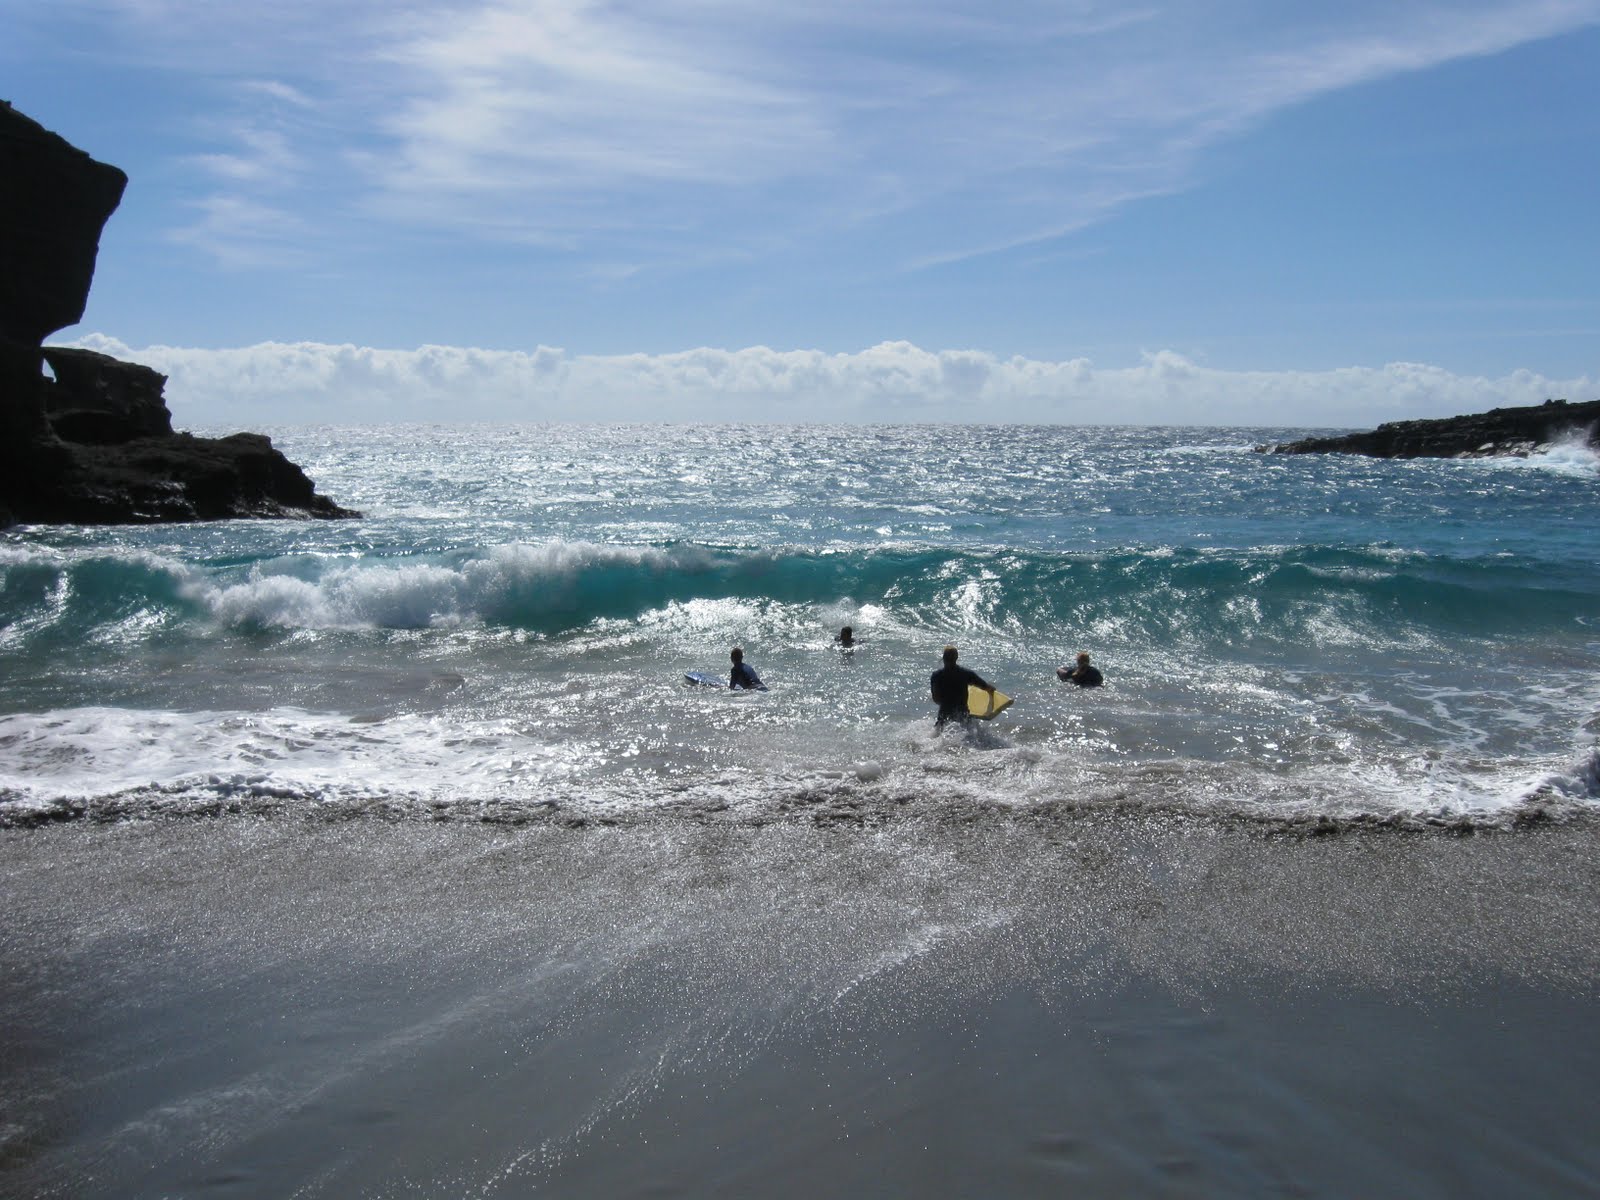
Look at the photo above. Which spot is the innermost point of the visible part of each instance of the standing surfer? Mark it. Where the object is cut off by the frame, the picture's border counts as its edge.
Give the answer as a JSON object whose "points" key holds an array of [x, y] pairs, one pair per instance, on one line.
{"points": [[950, 683]]}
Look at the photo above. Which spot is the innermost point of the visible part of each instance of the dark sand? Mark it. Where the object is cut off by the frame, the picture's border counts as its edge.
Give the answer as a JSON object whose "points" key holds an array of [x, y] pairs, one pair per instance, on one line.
{"points": [[1085, 1005]]}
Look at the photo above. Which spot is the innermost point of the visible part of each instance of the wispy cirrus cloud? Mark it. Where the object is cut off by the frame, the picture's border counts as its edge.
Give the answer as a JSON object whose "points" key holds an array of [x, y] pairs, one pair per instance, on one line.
{"points": [[633, 132], [261, 156], [241, 232], [260, 176], [719, 121]]}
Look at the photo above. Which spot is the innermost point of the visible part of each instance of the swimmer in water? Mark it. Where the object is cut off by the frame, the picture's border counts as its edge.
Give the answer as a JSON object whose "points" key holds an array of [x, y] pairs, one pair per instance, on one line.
{"points": [[1084, 674]]}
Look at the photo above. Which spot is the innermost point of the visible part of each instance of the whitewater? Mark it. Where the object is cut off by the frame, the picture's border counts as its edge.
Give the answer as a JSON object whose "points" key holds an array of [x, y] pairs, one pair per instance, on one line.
{"points": [[502, 637]]}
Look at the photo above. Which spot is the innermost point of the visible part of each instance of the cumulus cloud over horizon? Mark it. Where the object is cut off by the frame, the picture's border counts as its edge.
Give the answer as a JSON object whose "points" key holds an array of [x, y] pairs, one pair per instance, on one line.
{"points": [[279, 383]]}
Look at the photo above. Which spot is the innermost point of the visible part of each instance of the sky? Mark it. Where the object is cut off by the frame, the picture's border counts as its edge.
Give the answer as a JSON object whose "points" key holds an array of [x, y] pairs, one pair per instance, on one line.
{"points": [[1250, 212]]}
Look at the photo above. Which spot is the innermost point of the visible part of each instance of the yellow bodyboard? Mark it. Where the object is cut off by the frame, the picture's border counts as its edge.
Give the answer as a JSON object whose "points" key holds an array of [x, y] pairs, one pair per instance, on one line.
{"points": [[978, 703]]}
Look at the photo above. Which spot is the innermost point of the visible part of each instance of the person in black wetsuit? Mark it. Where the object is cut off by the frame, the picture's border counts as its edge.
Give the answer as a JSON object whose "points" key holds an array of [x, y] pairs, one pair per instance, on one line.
{"points": [[1084, 674], [949, 684], [743, 675]]}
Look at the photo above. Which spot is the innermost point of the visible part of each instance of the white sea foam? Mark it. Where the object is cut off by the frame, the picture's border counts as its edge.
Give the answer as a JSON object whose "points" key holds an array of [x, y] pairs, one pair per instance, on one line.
{"points": [[87, 754], [139, 761], [419, 595], [1571, 454]]}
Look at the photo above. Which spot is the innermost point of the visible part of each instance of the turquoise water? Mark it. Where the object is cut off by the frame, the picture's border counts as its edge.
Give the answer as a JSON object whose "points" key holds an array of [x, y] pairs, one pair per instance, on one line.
{"points": [[504, 635]]}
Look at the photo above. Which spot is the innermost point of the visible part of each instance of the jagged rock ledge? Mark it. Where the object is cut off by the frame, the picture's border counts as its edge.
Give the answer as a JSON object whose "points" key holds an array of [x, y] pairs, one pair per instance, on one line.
{"points": [[1500, 431], [95, 444], [122, 463]]}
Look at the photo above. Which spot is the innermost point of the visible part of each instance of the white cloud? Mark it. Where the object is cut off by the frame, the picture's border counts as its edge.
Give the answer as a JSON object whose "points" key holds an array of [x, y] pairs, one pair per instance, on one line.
{"points": [[275, 383], [693, 124], [240, 232], [277, 90], [263, 157], [255, 218], [555, 120]]}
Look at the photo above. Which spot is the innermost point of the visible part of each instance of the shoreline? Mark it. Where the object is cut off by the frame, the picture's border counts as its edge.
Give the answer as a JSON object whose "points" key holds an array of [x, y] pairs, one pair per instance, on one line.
{"points": [[1123, 1005], [862, 795]]}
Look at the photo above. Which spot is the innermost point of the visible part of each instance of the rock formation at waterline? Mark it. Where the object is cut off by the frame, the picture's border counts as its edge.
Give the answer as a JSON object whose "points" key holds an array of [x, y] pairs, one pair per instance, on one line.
{"points": [[95, 444], [1502, 431]]}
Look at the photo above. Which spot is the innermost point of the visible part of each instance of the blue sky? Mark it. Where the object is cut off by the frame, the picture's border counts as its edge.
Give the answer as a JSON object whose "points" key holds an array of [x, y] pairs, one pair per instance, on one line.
{"points": [[1213, 211]]}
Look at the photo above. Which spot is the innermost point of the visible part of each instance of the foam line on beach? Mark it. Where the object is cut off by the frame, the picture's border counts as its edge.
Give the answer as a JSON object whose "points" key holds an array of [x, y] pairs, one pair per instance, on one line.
{"points": [[109, 764]]}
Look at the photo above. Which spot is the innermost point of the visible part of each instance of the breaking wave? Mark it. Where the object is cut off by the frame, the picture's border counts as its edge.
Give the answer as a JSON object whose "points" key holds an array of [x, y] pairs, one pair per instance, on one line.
{"points": [[1175, 598]]}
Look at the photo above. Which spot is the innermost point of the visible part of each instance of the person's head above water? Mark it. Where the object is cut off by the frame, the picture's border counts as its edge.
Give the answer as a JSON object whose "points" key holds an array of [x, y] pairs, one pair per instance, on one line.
{"points": [[1083, 658], [737, 654], [847, 634], [950, 655]]}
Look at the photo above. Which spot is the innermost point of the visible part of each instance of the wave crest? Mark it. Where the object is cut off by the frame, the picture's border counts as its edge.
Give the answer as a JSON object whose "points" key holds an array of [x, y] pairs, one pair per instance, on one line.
{"points": [[1176, 600]]}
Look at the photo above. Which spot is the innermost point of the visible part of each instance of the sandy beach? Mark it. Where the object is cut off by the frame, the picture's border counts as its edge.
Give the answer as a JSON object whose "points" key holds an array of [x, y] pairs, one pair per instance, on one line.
{"points": [[1055, 1003]]}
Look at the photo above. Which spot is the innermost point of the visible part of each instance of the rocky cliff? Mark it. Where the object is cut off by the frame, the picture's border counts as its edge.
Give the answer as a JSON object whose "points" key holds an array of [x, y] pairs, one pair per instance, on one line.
{"points": [[1498, 431], [95, 443]]}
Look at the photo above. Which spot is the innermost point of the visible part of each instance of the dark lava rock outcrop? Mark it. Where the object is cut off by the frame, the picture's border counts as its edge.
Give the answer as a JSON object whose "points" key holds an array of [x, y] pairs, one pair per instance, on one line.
{"points": [[95, 444], [1505, 431], [99, 400]]}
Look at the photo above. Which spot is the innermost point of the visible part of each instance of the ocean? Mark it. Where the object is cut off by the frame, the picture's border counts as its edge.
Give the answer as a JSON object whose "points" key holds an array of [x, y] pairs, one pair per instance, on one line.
{"points": [[505, 635], [397, 856]]}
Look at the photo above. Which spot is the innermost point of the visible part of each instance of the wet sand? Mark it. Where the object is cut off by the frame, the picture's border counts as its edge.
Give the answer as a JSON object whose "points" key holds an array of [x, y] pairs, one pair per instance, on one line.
{"points": [[1085, 1004]]}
